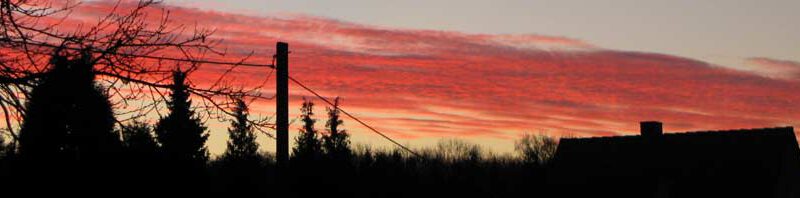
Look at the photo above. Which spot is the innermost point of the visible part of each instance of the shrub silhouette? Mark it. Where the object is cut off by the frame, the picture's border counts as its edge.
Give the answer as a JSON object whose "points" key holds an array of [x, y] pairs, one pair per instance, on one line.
{"points": [[138, 141], [142, 158], [6, 157], [6, 154], [454, 150], [5, 149]]}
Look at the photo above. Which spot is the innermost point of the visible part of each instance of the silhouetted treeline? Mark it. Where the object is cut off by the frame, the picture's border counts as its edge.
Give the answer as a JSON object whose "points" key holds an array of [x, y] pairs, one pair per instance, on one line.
{"points": [[61, 136], [70, 142], [324, 163]]}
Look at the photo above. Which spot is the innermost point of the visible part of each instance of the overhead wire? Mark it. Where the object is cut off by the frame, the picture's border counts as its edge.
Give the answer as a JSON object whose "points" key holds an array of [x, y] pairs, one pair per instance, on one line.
{"points": [[217, 62], [373, 129]]}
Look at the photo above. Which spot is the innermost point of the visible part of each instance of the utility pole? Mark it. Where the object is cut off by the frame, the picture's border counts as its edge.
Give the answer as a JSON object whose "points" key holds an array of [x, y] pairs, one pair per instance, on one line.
{"points": [[282, 104]]}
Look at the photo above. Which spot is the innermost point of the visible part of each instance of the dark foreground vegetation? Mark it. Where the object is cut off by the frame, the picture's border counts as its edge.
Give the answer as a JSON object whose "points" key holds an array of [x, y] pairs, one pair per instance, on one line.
{"points": [[138, 158], [99, 109], [102, 108], [69, 146]]}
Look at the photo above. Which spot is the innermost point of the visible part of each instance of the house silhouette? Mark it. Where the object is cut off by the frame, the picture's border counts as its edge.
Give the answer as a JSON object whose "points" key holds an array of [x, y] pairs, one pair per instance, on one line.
{"points": [[730, 163]]}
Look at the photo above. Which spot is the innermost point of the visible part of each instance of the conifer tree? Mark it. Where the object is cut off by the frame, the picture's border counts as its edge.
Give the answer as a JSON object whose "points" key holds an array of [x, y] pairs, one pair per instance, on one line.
{"points": [[69, 116], [240, 167], [181, 133], [67, 132], [242, 145], [336, 142], [307, 144], [338, 154]]}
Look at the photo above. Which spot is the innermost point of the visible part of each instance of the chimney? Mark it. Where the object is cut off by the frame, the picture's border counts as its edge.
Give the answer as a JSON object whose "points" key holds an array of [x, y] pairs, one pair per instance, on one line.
{"points": [[650, 128]]}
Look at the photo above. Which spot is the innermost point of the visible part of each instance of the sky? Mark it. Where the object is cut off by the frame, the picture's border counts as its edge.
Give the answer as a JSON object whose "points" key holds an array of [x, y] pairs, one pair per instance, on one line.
{"points": [[719, 31], [489, 71]]}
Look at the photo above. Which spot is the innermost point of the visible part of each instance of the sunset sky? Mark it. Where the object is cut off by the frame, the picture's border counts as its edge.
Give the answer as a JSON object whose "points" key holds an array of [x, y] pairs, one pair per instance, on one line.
{"points": [[488, 71]]}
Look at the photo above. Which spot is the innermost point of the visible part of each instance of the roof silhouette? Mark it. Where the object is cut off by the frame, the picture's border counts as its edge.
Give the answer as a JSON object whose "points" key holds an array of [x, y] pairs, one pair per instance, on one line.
{"points": [[734, 163]]}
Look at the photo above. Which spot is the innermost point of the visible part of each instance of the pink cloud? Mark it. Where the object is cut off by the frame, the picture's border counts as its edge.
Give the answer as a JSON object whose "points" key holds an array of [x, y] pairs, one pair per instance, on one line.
{"points": [[783, 69], [430, 83]]}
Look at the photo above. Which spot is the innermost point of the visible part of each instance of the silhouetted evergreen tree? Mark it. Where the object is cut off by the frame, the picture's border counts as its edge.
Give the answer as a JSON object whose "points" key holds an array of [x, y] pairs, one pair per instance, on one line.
{"points": [[242, 144], [336, 142], [307, 144], [68, 116], [68, 130], [307, 156], [182, 134], [182, 137], [241, 168]]}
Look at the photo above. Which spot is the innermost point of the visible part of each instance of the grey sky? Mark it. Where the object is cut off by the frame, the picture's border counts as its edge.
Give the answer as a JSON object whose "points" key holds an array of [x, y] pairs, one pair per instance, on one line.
{"points": [[718, 31]]}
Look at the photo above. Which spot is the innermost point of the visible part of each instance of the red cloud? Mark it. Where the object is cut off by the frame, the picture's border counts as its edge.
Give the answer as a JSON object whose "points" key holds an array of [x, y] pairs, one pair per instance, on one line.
{"points": [[425, 83]]}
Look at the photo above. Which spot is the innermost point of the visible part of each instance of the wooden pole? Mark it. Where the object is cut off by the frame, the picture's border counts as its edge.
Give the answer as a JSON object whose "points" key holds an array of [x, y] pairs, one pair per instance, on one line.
{"points": [[282, 103]]}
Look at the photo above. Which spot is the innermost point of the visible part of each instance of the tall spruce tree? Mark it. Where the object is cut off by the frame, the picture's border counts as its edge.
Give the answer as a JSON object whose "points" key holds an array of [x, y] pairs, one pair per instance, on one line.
{"points": [[182, 134], [242, 145], [307, 144], [69, 116], [336, 142]]}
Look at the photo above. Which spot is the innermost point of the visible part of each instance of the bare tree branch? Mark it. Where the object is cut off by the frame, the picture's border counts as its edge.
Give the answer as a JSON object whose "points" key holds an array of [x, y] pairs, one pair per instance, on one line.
{"points": [[133, 57]]}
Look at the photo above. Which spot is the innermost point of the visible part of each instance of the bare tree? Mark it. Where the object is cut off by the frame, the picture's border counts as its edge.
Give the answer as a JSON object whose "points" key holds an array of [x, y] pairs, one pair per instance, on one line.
{"points": [[126, 47], [455, 150], [536, 149]]}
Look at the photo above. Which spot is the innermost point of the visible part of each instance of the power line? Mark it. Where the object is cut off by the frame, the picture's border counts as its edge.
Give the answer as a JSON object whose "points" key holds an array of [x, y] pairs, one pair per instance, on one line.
{"points": [[353, 117], [272, 66], [144, 56]]}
